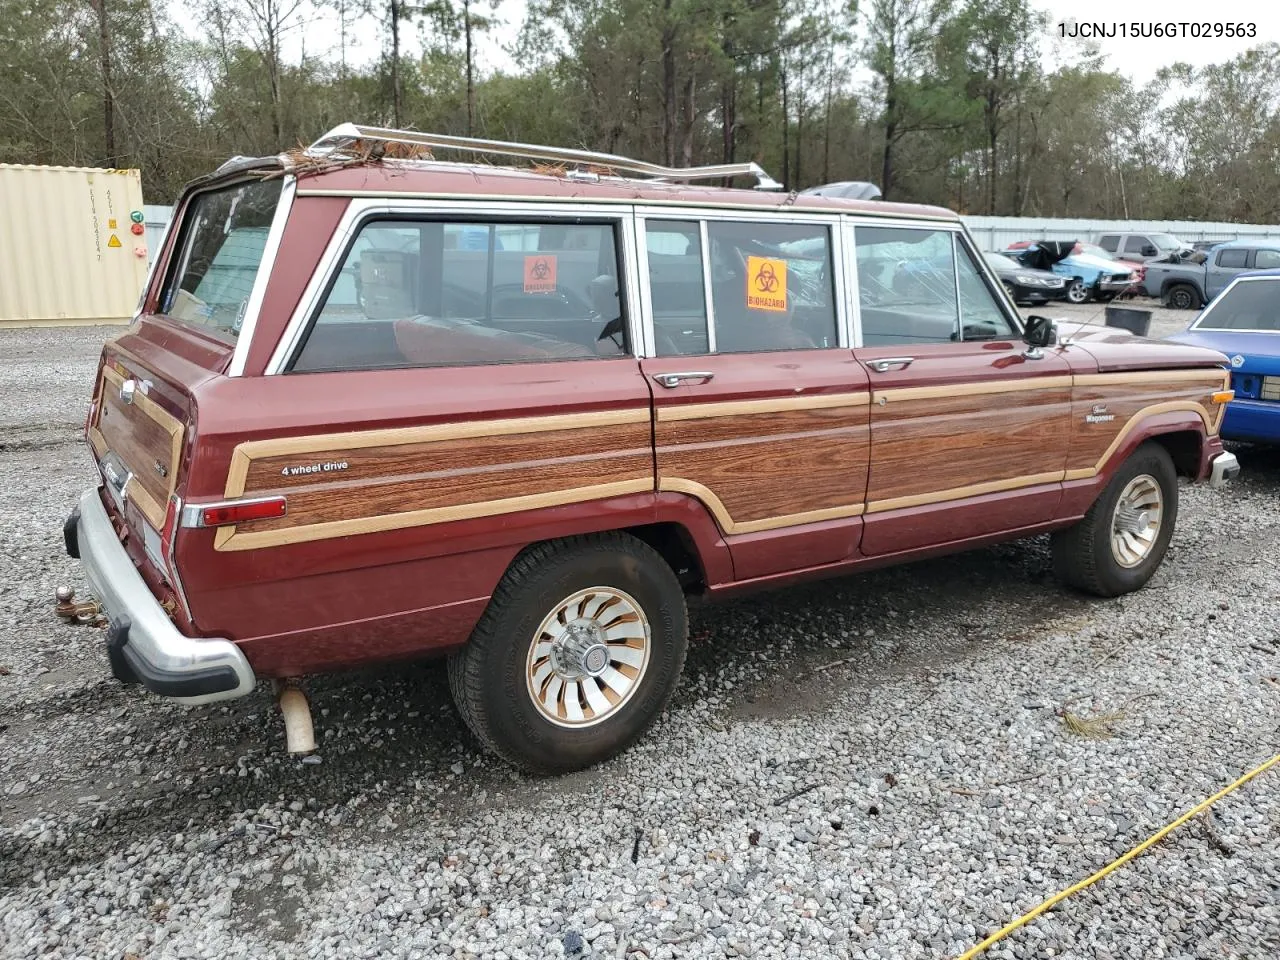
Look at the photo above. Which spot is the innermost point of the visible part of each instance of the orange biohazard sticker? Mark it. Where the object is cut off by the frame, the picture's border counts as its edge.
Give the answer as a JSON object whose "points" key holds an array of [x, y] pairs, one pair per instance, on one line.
{"points": [[540, 273], [766, 284]]}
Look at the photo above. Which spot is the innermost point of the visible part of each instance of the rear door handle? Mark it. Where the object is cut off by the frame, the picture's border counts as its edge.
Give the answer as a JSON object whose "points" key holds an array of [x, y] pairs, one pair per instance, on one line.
{"points": [[890, 363], [675, 379]]}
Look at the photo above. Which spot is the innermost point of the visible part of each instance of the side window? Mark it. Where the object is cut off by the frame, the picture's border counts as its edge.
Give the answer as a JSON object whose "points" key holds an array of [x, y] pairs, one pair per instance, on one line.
{"points": [[1134, 244], [772, 286], [676, 289], [1266, 259], [980, 315], [1233, 257], [435, 293], [1110, 242], [906, 286]]}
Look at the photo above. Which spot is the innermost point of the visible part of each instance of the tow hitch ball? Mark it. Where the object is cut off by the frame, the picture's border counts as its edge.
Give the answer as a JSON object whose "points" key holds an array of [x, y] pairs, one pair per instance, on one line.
{"points": [[86, 611]]}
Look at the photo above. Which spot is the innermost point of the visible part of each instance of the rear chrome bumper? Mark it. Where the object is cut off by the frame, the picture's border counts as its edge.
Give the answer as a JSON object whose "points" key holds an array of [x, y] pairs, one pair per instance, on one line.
{"points": [[142, 642], [1225, 467]]}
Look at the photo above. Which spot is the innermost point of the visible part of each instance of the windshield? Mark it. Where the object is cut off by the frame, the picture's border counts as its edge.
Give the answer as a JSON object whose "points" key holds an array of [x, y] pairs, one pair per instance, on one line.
{"points": [[223, 238], [1093, 250], [1165, 241], [1246, 305]]}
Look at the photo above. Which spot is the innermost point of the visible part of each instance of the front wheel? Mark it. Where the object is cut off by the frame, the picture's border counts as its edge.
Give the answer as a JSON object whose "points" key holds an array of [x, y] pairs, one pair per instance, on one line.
{"points": [[577, 653], [1123, 538], [1077, 291]]}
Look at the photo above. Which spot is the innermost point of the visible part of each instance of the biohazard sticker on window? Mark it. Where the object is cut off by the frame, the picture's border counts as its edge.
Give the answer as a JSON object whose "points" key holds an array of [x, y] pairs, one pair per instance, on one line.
{"points": [[766, 284], [540, 273]]}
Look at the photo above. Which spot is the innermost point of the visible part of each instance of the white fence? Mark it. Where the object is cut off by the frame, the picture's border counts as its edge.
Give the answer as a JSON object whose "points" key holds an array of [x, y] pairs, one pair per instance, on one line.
{"points": [[996, 233]]}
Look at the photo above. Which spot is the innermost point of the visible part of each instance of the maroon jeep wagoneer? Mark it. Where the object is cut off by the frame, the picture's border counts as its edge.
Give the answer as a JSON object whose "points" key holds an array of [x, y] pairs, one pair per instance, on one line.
{"points": [[377, 405]]}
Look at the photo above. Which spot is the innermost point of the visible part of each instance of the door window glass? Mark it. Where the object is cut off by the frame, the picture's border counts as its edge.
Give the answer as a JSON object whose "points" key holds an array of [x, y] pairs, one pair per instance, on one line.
{"points": [[771, 286], [906, 285], [1233, 257], [431, 293], [980, 315], [1110, 242], [676, 289], [1135, 244], [1266, 259]]}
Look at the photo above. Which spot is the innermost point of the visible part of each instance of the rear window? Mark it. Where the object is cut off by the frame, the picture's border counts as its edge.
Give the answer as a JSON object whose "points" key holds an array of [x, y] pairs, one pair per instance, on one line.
{"points": [[220, 249], [1233, 258], [1246, 305]]}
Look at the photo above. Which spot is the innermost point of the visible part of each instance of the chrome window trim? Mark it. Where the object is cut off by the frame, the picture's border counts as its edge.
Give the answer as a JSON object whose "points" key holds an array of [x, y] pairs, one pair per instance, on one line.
{"points": [[853, 301], [708, 301], [749, 210], [361, 209], [1213, 304], [244, 339], [648, 338]]}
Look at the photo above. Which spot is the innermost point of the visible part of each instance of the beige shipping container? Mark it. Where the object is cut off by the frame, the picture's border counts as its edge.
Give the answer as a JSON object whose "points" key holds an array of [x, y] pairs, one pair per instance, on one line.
{"points": [[68, 253]]}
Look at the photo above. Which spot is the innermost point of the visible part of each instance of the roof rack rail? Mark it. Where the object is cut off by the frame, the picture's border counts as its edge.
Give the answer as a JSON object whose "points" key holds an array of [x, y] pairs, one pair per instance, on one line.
{"points": [[350, 133]]}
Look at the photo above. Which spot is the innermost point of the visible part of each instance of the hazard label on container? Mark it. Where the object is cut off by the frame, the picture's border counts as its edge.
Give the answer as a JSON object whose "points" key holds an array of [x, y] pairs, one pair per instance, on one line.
{"points": [[111, 224], [540, 273], [766, 284], [114, 241]]}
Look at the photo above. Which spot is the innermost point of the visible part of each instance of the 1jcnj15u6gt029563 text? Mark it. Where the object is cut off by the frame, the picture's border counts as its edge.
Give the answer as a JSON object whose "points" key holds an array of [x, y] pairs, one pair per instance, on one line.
{"points": [[1171, 29]]}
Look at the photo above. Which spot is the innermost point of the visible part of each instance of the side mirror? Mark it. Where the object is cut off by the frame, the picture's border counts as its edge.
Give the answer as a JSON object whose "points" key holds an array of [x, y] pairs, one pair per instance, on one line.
{"points": [[1040, 332]]}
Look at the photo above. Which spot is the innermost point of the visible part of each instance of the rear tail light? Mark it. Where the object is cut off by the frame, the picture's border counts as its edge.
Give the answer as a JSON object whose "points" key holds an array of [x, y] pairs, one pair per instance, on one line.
{"points": [[231, 512]]}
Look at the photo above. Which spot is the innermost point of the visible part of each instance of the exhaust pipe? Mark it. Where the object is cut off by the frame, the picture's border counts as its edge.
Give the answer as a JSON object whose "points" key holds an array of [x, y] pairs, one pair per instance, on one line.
{"points": [[299, 734]]}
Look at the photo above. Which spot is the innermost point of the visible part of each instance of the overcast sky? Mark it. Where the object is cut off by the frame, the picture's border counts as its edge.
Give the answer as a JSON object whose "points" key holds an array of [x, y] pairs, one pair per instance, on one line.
{"points": [[1139, 59]]}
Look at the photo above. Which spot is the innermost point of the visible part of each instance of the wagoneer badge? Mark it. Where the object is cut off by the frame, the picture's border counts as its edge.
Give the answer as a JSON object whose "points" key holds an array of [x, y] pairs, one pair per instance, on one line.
{"points": [[1099, 414], [328, 466]]}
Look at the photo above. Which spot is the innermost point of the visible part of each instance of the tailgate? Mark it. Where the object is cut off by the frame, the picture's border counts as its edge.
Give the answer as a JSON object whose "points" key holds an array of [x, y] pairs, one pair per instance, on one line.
{"points": [[137, 441]]}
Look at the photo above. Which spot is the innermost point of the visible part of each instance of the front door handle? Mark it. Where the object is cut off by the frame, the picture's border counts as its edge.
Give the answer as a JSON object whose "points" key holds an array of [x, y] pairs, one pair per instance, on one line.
{"points": [[675, 379], [890, 363]]}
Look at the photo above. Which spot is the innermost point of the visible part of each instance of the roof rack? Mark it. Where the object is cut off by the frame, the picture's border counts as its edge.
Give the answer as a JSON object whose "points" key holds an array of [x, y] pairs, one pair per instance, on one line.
{"points": [[348, 134]]}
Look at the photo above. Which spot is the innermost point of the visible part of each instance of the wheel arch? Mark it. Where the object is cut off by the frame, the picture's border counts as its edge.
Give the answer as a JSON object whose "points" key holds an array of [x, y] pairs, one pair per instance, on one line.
{"points": [[1183, 433]]}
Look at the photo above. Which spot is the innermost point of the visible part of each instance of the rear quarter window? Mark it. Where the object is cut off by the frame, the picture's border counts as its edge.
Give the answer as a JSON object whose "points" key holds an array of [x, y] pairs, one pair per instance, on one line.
{"points": [[431, 293]]}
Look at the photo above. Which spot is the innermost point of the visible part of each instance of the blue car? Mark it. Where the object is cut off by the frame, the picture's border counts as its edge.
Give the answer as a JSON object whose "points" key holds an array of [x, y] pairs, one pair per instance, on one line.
{"points": [[1243, 321]]}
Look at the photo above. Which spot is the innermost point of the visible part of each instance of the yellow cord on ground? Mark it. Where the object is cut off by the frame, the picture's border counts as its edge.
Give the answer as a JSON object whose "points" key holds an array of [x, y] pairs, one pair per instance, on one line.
{"points": [[1115, 864]]}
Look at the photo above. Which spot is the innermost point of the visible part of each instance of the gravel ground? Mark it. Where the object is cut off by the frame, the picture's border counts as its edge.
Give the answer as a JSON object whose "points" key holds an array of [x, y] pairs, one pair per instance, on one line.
{"points": [[869, 767]]}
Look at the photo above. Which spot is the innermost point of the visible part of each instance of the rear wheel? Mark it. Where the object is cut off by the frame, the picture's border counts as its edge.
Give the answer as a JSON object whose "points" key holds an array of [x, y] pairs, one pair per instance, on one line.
{"points": [[1182, 296], [1077, 291], [1123, 538], [577, 653]]}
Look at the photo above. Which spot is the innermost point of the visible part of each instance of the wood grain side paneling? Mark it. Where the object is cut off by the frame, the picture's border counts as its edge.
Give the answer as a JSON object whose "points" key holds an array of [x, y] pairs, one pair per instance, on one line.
{"points": [[1127, 399], [381, 480], [937, 447], [759, 465]]}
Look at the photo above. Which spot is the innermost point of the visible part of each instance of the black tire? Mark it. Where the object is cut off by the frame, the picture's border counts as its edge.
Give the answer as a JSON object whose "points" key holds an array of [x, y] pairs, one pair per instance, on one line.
{"points": [[1082, 554], [488, 676], [1182, 296], [1009, 289], [1078, 291]]}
